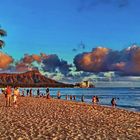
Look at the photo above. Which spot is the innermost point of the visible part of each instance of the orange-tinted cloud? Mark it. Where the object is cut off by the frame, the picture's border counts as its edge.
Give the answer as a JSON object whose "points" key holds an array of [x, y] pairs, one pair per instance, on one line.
{"points": [[31, 58], [92, 61], [127, 61], [5, 60]]}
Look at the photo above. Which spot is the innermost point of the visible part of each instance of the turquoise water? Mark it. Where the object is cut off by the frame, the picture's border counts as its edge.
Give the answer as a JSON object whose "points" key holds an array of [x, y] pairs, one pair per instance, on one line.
{"points": [[126, 98]]}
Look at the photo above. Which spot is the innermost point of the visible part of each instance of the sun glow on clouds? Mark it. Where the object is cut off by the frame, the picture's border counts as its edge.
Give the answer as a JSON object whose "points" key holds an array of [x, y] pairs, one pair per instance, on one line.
{"points": [[101, 64], [5, 60]]}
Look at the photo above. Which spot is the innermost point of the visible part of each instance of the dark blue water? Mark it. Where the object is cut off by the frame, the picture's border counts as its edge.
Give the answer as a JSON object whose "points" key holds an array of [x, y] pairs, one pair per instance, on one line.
{"points": [[126, 98]]}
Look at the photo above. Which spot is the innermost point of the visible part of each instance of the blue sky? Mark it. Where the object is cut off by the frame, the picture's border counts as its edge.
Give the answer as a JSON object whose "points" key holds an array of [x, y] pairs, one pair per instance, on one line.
{"points": [[54, 26], [58, 26]]}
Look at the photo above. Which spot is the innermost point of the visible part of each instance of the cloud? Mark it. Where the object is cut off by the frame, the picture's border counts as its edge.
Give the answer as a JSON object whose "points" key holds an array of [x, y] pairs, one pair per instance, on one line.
{"points": [[52, 63], [125, 62], [86, 5], [93, 61], [5, 60], [31, 58]]}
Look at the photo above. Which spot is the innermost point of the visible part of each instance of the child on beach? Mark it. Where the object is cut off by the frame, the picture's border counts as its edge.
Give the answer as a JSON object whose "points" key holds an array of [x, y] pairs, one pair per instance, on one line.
{"points": [[15, 95], [3, 91]]}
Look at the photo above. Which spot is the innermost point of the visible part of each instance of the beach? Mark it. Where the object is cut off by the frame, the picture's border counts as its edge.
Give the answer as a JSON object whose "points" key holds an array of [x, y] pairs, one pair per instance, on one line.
{"points": [[41, 119]]}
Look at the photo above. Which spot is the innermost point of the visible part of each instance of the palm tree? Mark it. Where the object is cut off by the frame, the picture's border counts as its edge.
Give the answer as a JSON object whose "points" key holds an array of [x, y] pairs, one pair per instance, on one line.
{"points": [[2, 33]]}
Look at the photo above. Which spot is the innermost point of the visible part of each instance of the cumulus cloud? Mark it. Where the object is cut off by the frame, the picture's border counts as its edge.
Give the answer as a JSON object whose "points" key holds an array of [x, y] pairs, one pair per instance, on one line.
{"points": [[31, 58], [126, 62], [5, 60], [93, 61], [52, 63]]}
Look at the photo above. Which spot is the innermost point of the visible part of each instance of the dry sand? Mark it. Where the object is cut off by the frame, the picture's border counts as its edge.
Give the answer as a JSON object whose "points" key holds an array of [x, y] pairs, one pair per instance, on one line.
{"points": [[42, 119]]}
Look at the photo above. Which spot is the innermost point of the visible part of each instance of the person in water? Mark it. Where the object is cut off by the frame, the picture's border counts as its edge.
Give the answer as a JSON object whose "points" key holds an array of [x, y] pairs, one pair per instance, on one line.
{"points": [[113, 102], [94, 101], [66, 97], [38, 92], [97, 99], [82, 98], [47, 90]]}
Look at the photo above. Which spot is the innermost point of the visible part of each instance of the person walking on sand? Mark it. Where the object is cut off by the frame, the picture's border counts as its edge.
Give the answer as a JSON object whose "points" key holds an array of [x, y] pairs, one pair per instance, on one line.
{"points": [[15, 95], [58, 95], [8, 96], [66, 97], [113, 102]]}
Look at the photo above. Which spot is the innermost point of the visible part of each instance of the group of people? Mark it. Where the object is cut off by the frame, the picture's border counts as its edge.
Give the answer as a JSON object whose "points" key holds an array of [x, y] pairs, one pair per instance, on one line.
{"points": [[95, 99], [13, 94], [10, 95]]}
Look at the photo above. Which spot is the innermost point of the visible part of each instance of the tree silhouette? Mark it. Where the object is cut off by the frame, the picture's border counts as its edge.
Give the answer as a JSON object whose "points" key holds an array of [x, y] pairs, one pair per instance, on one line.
{"points": [[2, 33]]}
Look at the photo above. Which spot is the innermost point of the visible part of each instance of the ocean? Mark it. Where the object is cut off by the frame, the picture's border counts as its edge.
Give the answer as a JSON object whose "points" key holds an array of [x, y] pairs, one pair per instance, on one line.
{"points": [[126, 98]]}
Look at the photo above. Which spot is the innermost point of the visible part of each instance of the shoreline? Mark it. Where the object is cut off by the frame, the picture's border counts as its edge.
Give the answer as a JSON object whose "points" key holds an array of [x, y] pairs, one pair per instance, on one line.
{"points": [[41, 118]]}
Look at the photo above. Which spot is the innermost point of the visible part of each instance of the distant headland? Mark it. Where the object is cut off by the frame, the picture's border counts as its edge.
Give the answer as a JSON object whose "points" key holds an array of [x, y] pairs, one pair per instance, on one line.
{"points": [[29, 79]]}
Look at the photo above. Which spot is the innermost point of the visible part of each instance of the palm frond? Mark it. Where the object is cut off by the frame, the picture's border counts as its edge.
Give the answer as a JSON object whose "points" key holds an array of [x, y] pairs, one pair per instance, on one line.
{"points": [[1, 44]]}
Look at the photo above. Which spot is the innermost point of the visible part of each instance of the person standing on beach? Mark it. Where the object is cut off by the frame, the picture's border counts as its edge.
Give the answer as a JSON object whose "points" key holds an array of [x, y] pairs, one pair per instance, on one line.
{"points": [[15, 95], [8, 96], [58, 95]]}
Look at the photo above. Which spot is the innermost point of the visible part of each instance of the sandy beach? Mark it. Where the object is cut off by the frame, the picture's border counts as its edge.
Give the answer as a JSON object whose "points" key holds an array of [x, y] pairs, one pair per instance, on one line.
{"points": [[42, 119]]}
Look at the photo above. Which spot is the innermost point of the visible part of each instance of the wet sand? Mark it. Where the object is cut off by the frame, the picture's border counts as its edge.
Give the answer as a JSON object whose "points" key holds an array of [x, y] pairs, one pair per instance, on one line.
{"points": [[42, 119]]}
